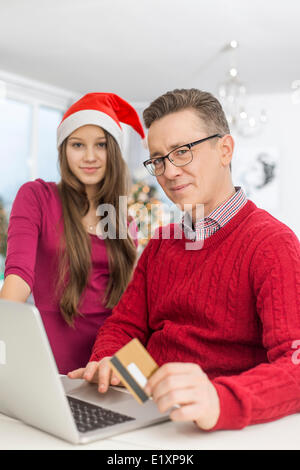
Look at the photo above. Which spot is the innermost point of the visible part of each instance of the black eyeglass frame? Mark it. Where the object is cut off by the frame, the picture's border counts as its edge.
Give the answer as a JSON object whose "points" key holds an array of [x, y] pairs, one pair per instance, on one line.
{"points": [[190, 145]]}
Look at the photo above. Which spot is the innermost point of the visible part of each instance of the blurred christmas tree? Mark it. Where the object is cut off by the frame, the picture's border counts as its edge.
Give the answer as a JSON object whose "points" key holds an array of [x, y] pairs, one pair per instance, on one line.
{"points": [[145, 207], [3, 230]]}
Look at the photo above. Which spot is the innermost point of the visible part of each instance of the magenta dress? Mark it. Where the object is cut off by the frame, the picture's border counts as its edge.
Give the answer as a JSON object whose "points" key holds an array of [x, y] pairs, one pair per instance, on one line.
{"points": [[34, 231]]}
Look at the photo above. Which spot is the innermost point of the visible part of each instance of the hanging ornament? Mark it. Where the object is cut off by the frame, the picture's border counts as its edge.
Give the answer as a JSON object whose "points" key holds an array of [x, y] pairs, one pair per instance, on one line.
{"points": [[233, 96]]}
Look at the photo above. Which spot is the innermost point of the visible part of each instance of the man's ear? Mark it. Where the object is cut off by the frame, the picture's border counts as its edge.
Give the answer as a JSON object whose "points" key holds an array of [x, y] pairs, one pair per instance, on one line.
{"points": [[226, 146]]}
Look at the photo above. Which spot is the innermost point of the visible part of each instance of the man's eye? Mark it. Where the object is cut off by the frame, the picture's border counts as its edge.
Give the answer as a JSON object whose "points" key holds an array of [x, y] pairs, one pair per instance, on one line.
{"points": [[157, 161], [180, 152]]}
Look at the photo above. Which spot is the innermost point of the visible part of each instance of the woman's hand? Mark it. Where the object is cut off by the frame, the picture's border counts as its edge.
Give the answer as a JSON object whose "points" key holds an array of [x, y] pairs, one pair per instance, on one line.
{"points": [[97, 372]]}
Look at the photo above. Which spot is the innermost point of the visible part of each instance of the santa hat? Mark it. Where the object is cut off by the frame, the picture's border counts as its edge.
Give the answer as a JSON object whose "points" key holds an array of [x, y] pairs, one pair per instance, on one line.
{"points": [[106, 110]]}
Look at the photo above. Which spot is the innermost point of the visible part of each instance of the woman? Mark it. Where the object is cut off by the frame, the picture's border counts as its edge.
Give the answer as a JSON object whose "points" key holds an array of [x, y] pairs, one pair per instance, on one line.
{"points": [[76, 277]]}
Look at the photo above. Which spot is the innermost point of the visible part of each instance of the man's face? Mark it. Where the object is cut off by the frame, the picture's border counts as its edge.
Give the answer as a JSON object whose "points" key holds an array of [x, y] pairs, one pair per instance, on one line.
{"points": [[202, 180]]}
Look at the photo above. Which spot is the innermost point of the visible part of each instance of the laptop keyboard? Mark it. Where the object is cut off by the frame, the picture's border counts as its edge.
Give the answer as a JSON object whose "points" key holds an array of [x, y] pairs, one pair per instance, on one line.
{"points": [[89, 417]]}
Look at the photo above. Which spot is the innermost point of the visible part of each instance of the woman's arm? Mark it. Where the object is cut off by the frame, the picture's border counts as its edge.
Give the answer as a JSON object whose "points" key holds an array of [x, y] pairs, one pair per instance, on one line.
{"points": [[15, 288], [22, 241]]}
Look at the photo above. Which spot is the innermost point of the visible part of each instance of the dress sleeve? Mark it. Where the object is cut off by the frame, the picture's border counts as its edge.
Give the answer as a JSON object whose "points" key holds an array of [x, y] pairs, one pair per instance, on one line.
{"points": [[23, 232], [270, 390]]}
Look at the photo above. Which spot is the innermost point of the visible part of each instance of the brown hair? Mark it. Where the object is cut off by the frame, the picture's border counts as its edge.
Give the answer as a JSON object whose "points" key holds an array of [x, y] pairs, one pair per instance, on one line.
{"points": [[75, 252], [205, 104]]}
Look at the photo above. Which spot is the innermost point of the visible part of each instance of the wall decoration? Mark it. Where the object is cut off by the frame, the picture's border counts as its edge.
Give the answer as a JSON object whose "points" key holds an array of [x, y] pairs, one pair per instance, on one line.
{"points": [[257, 171]]}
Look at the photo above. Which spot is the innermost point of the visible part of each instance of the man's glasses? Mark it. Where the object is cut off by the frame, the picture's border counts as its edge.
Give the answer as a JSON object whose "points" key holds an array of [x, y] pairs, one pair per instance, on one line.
{"points": [[180, 156]]}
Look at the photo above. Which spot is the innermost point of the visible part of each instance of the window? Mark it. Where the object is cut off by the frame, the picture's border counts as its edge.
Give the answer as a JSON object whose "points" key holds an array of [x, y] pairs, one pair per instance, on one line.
{"points": [[15, 141], [27, 146], [47, 161], [29, 115]]}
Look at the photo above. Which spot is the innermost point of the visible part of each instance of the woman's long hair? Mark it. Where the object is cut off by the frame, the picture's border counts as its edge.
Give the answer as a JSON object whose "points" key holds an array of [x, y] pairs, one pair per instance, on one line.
{"points": [[75, 250]]}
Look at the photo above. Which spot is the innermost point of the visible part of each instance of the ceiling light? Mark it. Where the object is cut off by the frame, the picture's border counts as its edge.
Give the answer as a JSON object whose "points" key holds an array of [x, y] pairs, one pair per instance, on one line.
{"points": [[233, 96]]}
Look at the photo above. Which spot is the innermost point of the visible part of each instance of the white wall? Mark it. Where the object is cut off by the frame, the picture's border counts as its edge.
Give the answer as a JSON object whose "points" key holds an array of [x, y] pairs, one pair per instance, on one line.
{"points": [[282, 132]]}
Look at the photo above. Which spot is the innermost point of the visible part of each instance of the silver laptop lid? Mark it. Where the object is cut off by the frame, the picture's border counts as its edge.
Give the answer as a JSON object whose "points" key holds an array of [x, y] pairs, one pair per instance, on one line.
{"points": [[30, 388]]}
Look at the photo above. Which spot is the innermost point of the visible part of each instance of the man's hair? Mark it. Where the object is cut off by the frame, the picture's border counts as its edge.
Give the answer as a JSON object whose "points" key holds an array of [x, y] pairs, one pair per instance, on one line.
{"points": [[205, 104]]}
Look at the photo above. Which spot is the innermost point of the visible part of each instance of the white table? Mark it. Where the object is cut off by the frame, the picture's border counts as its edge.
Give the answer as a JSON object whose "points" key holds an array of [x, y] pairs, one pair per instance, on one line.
{"points": [[281, 434]]}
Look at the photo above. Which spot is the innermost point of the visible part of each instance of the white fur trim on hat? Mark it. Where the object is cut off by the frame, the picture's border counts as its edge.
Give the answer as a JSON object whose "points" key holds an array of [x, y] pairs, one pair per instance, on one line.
{"points": [[85, 117], [145, 143]]}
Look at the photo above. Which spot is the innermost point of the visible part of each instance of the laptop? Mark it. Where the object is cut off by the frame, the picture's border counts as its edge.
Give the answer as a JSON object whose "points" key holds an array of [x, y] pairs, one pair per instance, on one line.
{"points": [[33, 391]]}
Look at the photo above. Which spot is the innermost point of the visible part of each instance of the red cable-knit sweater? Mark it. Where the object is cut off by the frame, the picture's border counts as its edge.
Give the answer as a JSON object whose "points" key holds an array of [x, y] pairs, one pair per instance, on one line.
{"points": [[233, 307]]}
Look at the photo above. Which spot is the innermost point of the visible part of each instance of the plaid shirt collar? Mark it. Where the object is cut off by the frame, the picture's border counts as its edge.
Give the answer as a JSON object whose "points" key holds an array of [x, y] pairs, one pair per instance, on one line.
{"points": [[219, 217]]}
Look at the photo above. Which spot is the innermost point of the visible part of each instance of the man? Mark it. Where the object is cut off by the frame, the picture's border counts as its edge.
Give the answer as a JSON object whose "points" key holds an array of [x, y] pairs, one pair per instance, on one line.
{"points": [[222, 320]]}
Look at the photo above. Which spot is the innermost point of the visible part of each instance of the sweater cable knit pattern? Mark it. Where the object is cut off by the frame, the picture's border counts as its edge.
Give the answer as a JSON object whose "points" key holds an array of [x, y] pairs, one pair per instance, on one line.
{"points": [[233, 307]]}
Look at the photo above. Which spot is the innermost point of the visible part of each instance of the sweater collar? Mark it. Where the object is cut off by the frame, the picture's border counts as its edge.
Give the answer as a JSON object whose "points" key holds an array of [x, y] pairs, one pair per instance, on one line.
{"points": [[217, 219], [220, 235]]}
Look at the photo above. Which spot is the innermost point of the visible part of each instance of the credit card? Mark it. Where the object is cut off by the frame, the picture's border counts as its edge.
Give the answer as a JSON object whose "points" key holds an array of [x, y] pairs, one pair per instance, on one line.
{"points": [[134, 366]]}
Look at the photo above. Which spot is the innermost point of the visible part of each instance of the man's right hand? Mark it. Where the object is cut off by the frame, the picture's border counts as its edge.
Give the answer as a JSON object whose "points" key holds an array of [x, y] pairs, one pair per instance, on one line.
{"points": [[97, 372]]}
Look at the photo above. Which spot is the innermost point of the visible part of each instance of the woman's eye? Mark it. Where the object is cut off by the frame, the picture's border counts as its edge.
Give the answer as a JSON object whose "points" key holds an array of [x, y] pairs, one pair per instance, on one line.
{"points": [[102, 144], [76, 144]]}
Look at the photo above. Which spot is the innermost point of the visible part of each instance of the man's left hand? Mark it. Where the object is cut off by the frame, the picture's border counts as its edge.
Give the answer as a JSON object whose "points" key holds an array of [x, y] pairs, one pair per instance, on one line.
{"points": [[186, 385]]}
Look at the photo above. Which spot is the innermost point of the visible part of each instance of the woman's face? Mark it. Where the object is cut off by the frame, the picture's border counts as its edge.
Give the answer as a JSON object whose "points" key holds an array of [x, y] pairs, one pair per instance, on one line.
{"points": [[86, 154]]}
